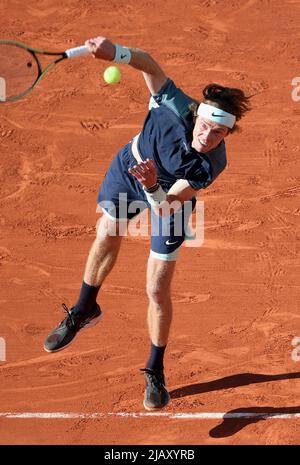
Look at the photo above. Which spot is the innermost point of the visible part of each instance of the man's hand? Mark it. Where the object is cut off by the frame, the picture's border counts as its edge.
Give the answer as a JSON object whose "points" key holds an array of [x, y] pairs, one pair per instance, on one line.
{"points": [[145, 172], [102, 48]]}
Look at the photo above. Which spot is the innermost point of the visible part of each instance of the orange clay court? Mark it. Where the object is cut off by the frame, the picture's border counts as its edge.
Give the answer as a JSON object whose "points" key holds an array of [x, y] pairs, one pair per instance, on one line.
{"points": [[229, 364]]}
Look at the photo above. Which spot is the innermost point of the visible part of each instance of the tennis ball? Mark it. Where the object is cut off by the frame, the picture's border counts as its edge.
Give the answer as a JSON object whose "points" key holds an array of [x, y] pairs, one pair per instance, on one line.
{"points": [[112, 75]]}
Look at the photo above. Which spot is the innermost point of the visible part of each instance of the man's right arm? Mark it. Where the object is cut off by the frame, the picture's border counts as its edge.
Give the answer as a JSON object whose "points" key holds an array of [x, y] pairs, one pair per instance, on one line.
{"points": [[155, 78]]}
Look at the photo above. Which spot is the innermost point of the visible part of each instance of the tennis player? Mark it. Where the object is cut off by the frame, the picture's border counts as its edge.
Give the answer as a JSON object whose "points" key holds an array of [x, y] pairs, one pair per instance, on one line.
{"points": [[180, 150]]}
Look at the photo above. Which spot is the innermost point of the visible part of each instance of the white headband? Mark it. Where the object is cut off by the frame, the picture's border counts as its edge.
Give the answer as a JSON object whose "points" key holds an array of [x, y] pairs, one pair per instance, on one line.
{"points": [[216, 115]]}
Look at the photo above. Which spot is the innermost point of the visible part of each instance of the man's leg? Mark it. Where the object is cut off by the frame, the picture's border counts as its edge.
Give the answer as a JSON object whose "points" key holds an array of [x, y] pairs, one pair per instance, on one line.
{"points": [[103, 253], [159, 277], [86, 312], [101, 259]]}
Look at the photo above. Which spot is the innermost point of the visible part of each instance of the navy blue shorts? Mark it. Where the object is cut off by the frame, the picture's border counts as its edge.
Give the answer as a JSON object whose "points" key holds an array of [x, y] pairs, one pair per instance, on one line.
{"points": [[121, 197]]}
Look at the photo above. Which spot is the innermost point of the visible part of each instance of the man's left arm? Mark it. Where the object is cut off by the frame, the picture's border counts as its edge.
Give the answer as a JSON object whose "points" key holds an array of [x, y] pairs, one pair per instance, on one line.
{"points": [[165, 203]]}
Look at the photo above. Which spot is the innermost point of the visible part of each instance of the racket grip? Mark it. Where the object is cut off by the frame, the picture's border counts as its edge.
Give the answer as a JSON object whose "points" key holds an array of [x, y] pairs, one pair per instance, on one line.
{"points": [[77, 51]]}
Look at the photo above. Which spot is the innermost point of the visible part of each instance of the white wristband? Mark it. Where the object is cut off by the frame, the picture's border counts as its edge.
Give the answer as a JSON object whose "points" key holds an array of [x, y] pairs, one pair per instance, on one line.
{"points": [[157, 197], [123, 54]]}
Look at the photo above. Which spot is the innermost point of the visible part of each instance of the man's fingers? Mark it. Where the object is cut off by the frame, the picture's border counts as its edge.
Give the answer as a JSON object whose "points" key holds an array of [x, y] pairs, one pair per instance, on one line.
{"points": [[137, 173], [139, 169], [92, 46], [145, 165], [145, 172], [151, 163]]}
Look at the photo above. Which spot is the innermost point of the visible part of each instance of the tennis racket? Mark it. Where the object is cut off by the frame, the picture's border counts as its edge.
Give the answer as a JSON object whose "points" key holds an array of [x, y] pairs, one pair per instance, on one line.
{"points": [[21, 69]]}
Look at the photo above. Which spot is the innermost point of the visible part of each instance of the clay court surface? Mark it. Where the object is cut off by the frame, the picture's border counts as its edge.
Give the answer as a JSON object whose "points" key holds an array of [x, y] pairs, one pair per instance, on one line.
{"points": [[236, 298]]}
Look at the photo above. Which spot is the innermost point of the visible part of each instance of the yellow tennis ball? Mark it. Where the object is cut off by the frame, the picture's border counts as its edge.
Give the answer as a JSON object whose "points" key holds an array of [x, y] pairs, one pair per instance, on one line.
{"points": [[112, 75]]}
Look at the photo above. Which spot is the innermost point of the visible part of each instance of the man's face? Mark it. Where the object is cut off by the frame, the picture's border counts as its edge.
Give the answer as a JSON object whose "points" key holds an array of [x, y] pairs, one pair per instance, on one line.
{"points": [[207, 135]]}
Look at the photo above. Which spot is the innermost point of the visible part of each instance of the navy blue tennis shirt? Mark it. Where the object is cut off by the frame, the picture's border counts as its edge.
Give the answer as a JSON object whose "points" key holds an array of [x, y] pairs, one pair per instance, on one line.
{"points": [[166, 138]]}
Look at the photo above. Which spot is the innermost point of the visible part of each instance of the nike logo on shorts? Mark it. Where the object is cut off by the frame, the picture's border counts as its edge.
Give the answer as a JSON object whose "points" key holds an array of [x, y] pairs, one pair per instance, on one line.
{"points": [[170, 243]]}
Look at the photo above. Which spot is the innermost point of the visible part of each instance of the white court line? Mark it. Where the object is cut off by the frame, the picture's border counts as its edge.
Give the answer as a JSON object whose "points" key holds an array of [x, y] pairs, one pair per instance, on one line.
{"points": [[191, 416]]}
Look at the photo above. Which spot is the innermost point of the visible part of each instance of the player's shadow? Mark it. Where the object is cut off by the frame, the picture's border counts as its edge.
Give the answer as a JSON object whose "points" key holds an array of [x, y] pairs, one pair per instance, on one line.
{"points": [[237, 419], [242, 379]]}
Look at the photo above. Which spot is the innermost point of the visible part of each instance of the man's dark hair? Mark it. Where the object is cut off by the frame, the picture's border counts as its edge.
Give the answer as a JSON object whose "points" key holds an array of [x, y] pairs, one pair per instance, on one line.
{"points": [[229, 99]]}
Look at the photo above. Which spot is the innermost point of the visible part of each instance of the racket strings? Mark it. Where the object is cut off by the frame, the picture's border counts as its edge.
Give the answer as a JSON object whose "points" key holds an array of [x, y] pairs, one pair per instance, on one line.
{"points": [[19, 70]]}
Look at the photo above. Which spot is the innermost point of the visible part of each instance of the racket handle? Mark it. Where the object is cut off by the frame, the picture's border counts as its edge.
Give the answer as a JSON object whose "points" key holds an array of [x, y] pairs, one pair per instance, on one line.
{"points": [[77, 51]]}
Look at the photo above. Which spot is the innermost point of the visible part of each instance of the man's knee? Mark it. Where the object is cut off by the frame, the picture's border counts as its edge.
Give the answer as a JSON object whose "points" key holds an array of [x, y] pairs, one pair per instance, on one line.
{"points": [[109, 228], [157, 293], [159, 278]]}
